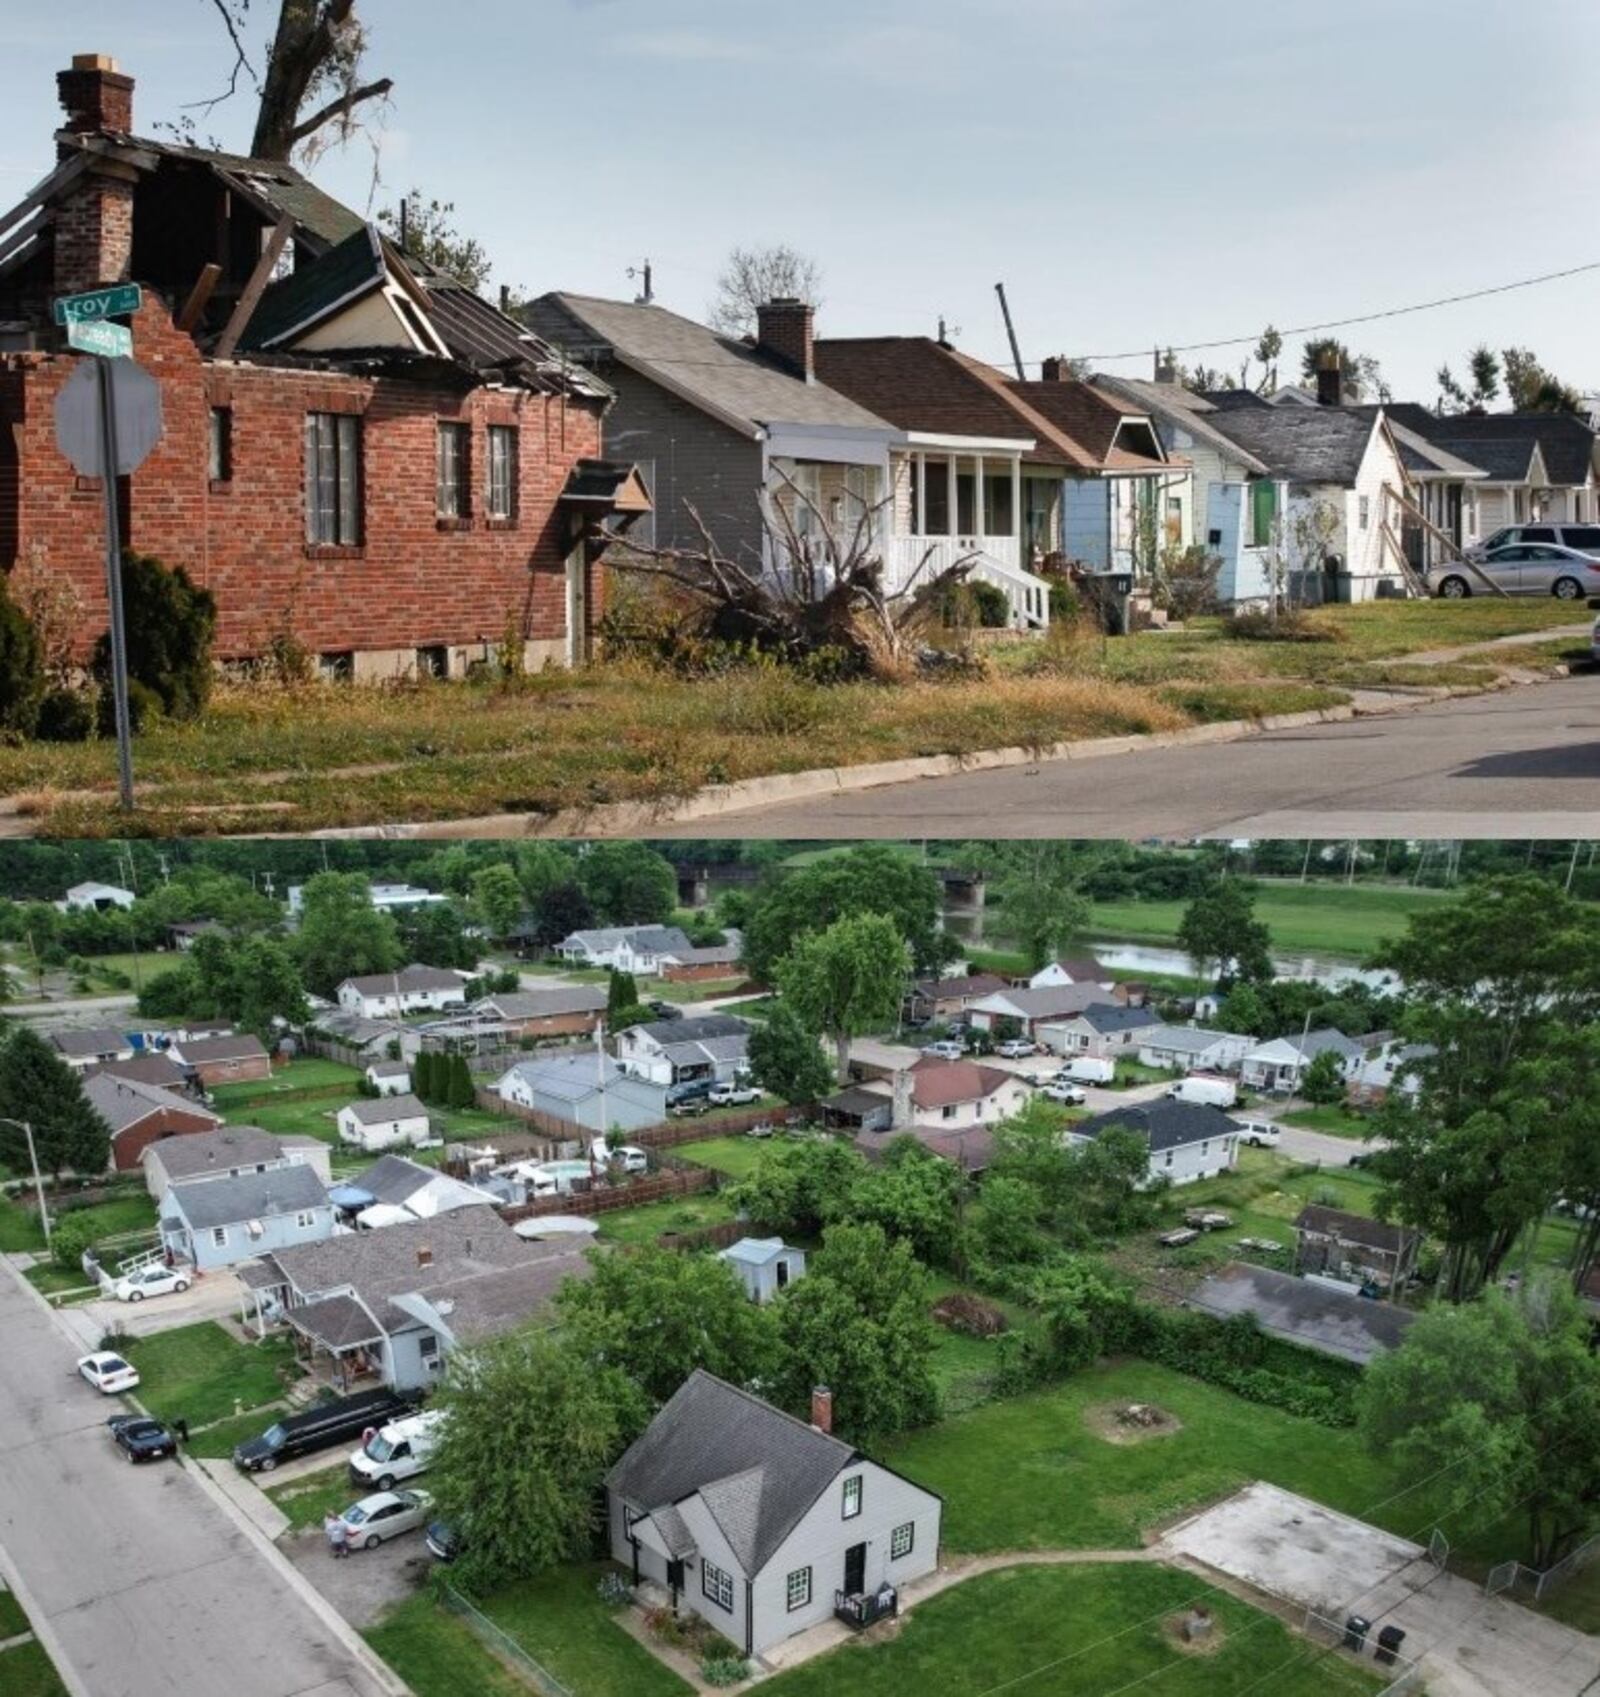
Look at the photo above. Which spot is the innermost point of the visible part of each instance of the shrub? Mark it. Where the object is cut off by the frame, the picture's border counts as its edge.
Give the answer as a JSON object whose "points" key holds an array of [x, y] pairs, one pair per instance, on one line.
{"points": [[69, 1239], [117, 1343], [724, 1670], [1187, 582], [170, 624], [963, 1312], [21, 667], [1290, 624], [144, 705], [66, 715], [614, 1589]]}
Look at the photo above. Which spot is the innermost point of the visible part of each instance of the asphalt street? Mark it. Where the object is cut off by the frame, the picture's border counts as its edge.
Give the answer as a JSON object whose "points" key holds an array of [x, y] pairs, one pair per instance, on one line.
{"points": [[138, 1582], [1525, 763]]}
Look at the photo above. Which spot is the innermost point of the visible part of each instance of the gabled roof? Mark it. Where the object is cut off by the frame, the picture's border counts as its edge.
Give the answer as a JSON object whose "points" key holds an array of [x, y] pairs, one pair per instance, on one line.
{"points": [[1163, 1125], [153, 1067], [208, 1153], [414, 979], [1565, 442], [546, 1004], [205, 1203], [1182, 409], [1302, 444], [1052, 1001], [1356, 1228], [86, 1045], [755, 1251], [732, 380], [1112, 433], [235, 1046], [942, 1084], [124, 1102], [576, 1077], [1329, 1321], [704, 1028], [654, 939], [974, 985], [312, 293], [382, 1110], [756, 1469], [1308, 1047], [1106, 1017], [1191, 1039]]}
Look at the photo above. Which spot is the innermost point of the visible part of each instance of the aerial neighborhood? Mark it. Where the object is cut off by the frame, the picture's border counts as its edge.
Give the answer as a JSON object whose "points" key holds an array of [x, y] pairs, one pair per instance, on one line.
{"points": [[743, 1276]]}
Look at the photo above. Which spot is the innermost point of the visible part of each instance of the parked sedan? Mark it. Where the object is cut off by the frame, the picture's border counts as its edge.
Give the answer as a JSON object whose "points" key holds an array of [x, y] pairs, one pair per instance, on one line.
{"points": [[734, 1095], [141, 1438], [384, 1515], [444, 1541], [151, 1281], [108, 1373], [1069, 1095], [1016, 1049], [1541, 568]]}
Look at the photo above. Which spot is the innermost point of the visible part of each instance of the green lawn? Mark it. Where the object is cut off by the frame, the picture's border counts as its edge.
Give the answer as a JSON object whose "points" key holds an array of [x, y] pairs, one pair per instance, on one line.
{"points": [[1335, 1121], [735, 1156], [705, 990], [435, 1654], [199, 1373], [1323, 918], [310, 1073], [218, 1442], [1029, 1473], [129, 1210], [26, 1672], [1076, 1632], [19, 1227], [12, 1619], [561, 1622], [963, 1366], [676, 1214], [307, 1499], [1577, 1602]]}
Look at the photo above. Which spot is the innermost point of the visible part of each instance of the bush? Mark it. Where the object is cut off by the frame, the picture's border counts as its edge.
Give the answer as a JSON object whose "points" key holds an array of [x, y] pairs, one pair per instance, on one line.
{"points": [[724, 1670], [1254, 624], [21, 667], [66, 715], [1187, 582], [170, 624], [69, 1239], [144, 706], [614, 1589]]}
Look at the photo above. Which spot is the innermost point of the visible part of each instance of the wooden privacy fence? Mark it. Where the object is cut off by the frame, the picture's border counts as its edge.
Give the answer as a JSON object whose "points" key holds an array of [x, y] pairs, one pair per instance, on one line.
{"points": [[608, 1198], [667, 1135], [706, 1237]]}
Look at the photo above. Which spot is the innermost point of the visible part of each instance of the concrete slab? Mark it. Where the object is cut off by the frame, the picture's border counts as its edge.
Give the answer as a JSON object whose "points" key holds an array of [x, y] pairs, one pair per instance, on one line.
{"points": [[364, 1585]]}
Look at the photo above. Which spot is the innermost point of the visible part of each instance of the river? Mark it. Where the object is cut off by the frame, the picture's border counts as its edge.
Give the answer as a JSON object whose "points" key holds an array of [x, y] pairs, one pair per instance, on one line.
{"points": [[1153, 958]]}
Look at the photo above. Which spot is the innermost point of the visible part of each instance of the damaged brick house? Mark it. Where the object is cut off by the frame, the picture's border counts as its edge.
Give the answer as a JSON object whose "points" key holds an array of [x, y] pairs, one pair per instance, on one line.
{"points": [[359, 452]]}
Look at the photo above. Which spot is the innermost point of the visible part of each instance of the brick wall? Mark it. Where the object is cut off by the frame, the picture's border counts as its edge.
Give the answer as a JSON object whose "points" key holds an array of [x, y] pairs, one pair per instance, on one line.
{"points": [[409, 584], [127, 1147]]}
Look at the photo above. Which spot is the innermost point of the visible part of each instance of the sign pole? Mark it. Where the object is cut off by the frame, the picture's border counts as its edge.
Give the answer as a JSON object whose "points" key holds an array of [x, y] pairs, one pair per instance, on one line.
{"points": [[119, 637]]}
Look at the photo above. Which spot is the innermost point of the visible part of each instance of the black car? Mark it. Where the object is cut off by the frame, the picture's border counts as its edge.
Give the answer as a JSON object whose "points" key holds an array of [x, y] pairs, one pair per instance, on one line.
{"points": [[665, 1010], [444, 1541], [140, 1438], [321, 1427]]}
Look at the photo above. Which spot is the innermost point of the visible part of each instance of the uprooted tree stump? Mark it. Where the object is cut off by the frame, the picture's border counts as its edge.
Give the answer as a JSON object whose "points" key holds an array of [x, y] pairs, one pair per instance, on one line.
{"points": [[972, 1315], [1196, 1631], [1130, 1422]]}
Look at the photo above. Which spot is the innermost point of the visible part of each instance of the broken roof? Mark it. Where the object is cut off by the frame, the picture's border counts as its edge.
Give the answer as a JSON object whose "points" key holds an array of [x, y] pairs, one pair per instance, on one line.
{"points": [[1329, 1321], [1356, 1228], [1302, 444], [1182, 409]]}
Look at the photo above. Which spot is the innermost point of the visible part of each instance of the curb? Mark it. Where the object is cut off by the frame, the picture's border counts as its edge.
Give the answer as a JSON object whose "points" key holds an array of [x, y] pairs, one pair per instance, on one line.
{"points": [[635, 818]]}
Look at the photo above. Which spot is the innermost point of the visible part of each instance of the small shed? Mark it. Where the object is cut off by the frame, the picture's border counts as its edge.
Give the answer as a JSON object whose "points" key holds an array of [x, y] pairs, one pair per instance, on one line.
{"points": [[764, 1265], [390, 1122]]}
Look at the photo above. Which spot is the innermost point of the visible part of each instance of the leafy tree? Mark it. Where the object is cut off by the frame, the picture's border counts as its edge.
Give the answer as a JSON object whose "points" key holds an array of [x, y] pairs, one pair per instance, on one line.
{"points": [[1504, 1391], [799, 1187], [1005, 1228], [1363, 376], [1324, 1081], [170, 623], [1533, 388], [657, 1314], [71, 1235], [846, 981], [1220, 933], [497, 899], [785, 1059], [461, 1091], [542, 867], [342, 935], [1043, 906], [859, 1323], [1243, 1010], [172, 995], [753, 276], [1083, 1314], [1483, 371], [559, 911], [267, 988], [425, 1075], [533, 1424], [869, 878], [430, 234], [38, 1087], [1086, 1192], [914, 1195], [434, 935], [628, 883], [622, 995]]}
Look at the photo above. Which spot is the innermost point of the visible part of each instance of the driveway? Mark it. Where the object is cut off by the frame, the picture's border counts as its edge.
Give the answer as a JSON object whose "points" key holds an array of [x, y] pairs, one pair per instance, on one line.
{"points": [[137, 1579], [364, 1585], [1468, 1644], [1458, 768], [213, 1296]]}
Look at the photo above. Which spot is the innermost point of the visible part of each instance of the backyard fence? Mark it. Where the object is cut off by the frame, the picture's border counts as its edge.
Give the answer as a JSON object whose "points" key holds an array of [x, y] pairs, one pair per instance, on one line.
{"points": [[706, 1237], [667, 1135], [1509, 1575], [502, 1644], [612, 1197]]}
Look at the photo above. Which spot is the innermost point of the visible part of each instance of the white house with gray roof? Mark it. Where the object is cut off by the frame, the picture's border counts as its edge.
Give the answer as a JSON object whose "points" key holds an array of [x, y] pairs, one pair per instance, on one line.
{"points": [[1033, 1007], [628, 948], [228, 1152], [676, 1051], [588, 1091], [402, 1190], [413, 989], [1189, 1048], [217, 1222], [1280, 1066], [1103, 1031], [1187, 1141], [761, 1524], [384, 1122]]}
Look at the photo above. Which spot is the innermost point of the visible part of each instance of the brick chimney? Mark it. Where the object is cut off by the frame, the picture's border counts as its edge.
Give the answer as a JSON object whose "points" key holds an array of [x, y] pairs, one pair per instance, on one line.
{"points": [[94, 224], [424, 1256], [822, 1409], [786, 329], [1330, 380], [1056, 369]]}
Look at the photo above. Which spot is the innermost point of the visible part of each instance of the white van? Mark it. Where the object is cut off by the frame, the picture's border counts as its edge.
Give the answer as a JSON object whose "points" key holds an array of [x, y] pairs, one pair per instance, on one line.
{"points": [[1204, 1091], [1259, 1134], [1090, 1069], [400, 1450]]}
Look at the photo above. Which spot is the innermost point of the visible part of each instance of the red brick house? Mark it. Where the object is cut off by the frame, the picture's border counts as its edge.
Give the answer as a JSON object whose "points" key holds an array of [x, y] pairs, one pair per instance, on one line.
{"points": [[359, 452], [237, 1058], [139, 1114]]}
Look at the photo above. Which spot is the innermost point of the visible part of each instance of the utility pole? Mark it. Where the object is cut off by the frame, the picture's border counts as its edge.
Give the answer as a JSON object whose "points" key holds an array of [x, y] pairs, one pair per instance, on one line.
{"points": [[38, 1182], [1011, 333]]}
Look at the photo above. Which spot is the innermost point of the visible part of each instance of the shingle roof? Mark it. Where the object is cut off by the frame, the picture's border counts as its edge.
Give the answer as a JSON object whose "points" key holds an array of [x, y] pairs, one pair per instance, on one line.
{"points": [[124, 1102], [547, 1004], [393, 1179], [1112, 1016], [86, 1044], [1093, 418], [702, 1029], [1163, 1125], [237, 1046], [1053, 1001], [573, 1077], [353, 268], [733, 1048], [1301, 444], [658, 939], [1190, 1039], [1183, 409], [157, 1068], [482, 1305], [1356, 1228], [974, 985], [338, 1322], [941, 1084], [381, 1110], [218, 1151], [252, 1196], [757, 1469], [410, 978], [1329, 1321], [747, 388], [1566, 442]]}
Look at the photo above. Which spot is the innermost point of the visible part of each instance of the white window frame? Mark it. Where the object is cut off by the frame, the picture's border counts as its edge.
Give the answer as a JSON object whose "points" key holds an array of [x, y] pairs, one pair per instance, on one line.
{"points": [[305, 1220], [333, 492], [219, 1237], [712, 1575], [797, 1589], [500, 473], [897, 1551], [854, 1492], [452, 457]]}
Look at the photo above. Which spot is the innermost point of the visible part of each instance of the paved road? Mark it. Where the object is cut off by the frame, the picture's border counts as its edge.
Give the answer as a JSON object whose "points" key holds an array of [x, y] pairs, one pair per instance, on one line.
{"points": [[140, 1583], [1525, 763]]}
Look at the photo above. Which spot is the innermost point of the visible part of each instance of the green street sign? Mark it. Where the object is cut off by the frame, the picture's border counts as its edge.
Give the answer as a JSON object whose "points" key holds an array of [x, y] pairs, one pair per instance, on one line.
{"points": [[122, 301], [94, 336]]}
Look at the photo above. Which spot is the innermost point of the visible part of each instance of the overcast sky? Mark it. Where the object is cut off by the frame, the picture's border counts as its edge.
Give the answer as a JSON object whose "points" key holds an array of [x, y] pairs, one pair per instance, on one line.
{"points": [[1137, 171]]}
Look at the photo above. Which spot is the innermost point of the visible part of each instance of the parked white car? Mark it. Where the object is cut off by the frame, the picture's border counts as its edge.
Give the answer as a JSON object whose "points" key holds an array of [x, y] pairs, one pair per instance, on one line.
{"points": [[733, 1095], [1016, 1049], [385, 1515], [1069, 1095], [1259, 1134], [108, 1373], [629, 1156], [150, 1281], [947, 1050]]}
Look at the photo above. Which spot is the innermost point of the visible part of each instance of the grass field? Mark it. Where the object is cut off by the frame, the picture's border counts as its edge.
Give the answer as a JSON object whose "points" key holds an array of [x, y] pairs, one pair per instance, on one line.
{"points": [[199, 1373], [26, 1672], [12, 1620], [308, 1499], [1332, 919], [677, 1214], [310, 1074], [130, 1210], [1076, 1632], [1334, 1121], [735, 1156], [561, 1622], [437, 1656]]}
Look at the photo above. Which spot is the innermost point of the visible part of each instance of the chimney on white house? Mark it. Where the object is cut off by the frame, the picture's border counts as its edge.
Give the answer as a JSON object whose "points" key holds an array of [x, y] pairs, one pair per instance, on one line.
{"points": [[822, 1410], [1330, 380], [93, 234], [786, 329]]}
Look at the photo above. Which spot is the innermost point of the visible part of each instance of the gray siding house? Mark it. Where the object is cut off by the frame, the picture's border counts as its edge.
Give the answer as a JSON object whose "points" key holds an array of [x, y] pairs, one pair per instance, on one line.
{"points": [[1186, 1140], [588, 1091], [760, 1524], [216, 1222]]}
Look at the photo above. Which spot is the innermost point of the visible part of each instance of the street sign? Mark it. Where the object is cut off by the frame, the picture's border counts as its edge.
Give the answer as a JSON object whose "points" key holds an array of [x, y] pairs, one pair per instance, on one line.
{"points": [[120, 301], [97, 336], [136, 400]]}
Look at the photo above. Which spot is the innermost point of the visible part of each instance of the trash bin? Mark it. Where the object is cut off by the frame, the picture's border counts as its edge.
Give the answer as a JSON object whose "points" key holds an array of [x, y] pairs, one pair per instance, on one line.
{"points": [[1356, 1629], [1389, 1642]]}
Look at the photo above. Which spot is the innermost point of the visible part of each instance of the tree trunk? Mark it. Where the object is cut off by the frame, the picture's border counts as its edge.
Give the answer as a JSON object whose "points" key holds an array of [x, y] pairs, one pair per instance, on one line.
{"points": [[841, 1057], [307, 41]]}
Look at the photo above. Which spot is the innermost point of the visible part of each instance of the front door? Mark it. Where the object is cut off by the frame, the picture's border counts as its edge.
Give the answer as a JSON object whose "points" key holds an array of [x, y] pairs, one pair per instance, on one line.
{"points": [[783, 1274], [855, 1570]]}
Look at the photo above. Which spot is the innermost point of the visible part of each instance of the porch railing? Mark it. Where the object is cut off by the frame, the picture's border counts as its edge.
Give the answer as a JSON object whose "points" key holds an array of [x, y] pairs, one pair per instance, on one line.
{"points": [[992, 559], [866, 1609]]}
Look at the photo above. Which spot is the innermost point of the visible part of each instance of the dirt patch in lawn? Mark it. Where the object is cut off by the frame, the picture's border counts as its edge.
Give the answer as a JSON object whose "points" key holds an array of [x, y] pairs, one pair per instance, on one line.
{"points": [[1194, 1632], [1130, 1422]]}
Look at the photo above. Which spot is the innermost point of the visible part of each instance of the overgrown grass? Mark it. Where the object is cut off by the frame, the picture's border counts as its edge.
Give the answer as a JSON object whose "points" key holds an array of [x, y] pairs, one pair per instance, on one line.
{"points": [[1074, 1632], [308, 1499], [199, 1373], [735, 1156], [677, 1214], [437, 1656]]}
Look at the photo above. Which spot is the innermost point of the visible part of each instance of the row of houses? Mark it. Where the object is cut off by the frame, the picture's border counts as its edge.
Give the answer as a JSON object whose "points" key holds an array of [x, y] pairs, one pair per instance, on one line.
{"points": [[308, 366]]}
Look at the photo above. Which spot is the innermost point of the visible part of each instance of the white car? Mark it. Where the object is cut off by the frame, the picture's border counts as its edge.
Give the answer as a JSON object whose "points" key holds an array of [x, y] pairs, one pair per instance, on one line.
{"points": [[150, 1281], [1069, 1095], [1016, 1049], [384, 1515], [946, 1051], [108, 1373], [628, 1156], [1259, 1134], [733, 1095]]}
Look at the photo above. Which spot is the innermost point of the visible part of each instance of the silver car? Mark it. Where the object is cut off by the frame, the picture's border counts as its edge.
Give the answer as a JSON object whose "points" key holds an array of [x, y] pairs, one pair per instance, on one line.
{"points": [[385, 1515], [1581, 538], [1528, 568]]}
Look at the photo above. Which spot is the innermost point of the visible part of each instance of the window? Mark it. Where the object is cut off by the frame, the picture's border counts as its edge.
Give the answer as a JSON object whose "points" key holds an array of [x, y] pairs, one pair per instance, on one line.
{"points": [[1263, 513], [219, 1237], [501, 500], [852, 1497], [450, 474], [305, 1221], [338, 668], [717, 1585], [1169, 1157], [799, 1588], [949, 1111], [1366, 512], [220, 466], [333, 480], [902, 1540]]}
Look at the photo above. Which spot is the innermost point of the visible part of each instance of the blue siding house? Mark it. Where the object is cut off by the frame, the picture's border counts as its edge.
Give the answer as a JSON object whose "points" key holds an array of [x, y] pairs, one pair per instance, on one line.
{"points": [[216, 1222]]}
